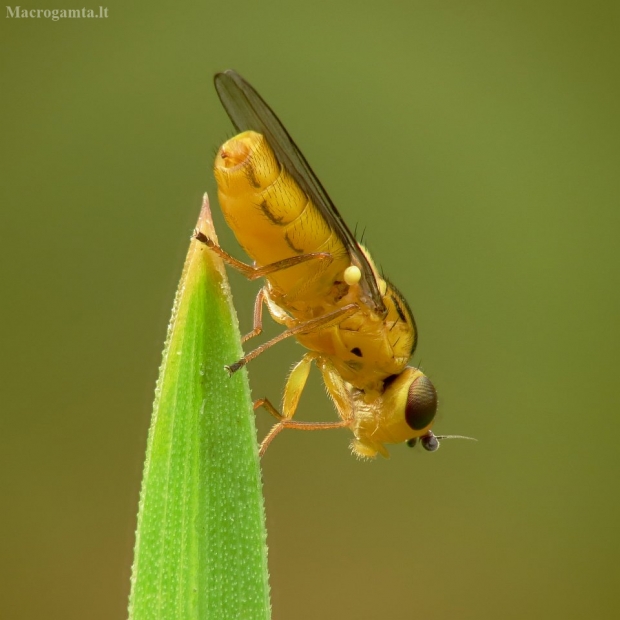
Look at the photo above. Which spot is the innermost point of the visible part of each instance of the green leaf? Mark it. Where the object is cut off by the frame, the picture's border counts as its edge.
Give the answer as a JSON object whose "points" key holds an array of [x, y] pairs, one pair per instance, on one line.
{"points": [[200, 544]]}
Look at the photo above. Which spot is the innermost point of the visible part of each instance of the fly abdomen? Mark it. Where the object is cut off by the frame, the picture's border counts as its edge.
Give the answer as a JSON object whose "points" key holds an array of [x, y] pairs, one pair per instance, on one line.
{"points": [[252, 184], [272, 217]]}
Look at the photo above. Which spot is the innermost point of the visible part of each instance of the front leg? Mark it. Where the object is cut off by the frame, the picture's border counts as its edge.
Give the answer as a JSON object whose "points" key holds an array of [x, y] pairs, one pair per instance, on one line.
{"points": [[292, 393]]}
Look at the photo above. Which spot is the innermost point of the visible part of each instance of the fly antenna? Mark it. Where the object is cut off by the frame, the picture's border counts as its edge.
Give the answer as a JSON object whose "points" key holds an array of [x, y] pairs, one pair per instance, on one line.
{"points": [[430, 441]]}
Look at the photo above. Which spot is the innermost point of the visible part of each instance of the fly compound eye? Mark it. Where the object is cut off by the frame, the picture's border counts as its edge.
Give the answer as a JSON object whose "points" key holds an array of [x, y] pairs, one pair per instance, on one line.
{"points": [[421, 403]]}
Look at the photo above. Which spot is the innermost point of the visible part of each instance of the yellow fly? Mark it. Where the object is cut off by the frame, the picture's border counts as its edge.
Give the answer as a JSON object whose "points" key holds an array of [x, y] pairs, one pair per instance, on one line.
{"points": [[320, 283]]}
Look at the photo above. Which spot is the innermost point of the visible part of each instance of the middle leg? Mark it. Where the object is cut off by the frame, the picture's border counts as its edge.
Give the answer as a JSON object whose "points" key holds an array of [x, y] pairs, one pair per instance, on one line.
{"points": [[321, 322]]}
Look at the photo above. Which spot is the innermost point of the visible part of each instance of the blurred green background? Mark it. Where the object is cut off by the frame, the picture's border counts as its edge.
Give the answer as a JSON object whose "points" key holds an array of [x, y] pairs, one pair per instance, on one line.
{"points": [[478, 144]]}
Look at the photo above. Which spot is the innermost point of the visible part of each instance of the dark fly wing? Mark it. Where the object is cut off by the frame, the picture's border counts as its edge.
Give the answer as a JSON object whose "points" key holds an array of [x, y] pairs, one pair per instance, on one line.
{"points": [[248, 111]]}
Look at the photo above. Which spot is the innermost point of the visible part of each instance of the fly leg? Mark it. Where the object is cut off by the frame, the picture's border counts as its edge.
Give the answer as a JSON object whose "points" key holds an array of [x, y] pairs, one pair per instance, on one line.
{"points": [[277, 314], [337, 389], [362, 445], [253, 273], [292, 393], [257, 327], [321, 322]]}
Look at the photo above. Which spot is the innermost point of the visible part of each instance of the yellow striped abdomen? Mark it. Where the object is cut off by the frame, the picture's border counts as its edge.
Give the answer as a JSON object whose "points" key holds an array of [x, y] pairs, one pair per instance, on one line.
{"points": [[273, 219]]}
